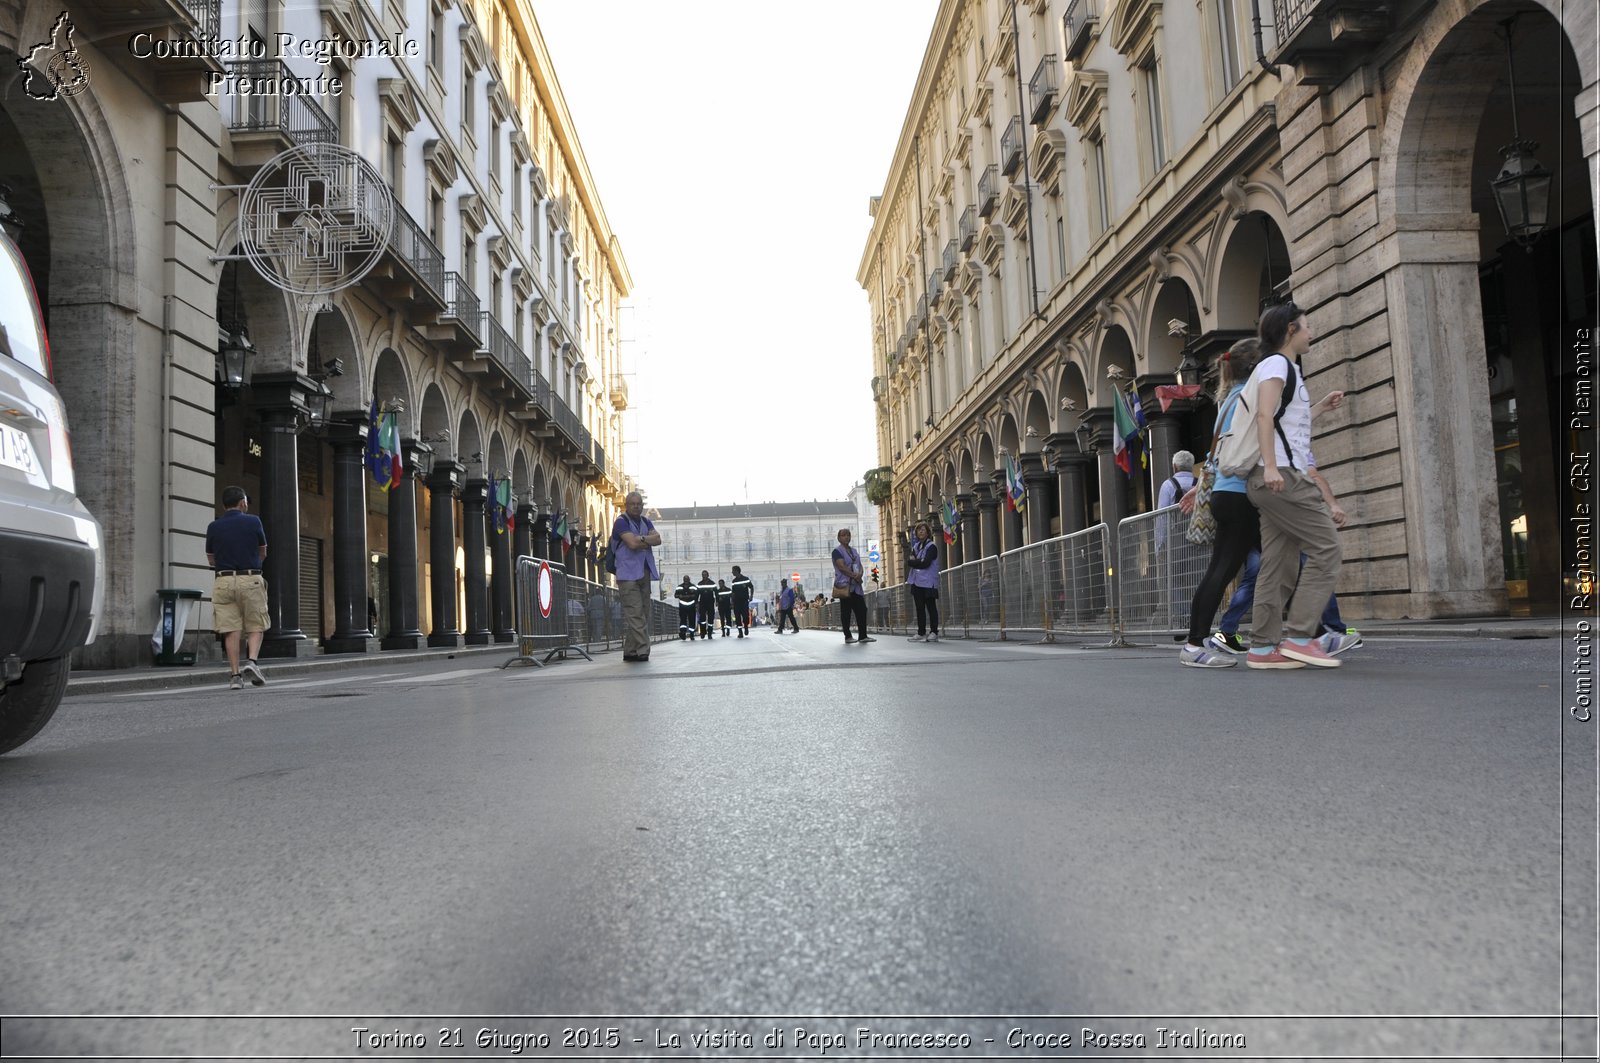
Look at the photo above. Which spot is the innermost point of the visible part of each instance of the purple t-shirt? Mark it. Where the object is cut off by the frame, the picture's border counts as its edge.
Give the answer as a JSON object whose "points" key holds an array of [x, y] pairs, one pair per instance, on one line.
{"points": [[852, 561], [633, 564]]}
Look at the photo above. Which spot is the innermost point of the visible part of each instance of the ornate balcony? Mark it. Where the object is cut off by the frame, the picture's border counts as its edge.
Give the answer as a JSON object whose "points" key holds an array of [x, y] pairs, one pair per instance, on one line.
{"points": [[263, 125], [988, 191], [1321, 37], [1079, 24], [411, 272], [947, 266], [1011, 147], [457, 329], [619, 392], [969, 228], [1044, 89]]}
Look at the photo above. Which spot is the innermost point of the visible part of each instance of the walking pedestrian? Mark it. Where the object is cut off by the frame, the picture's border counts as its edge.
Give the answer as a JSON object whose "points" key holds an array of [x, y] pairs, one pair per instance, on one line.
{"points": [[1295, 518], [236, 545], [1173, 488], [724, 607], [922, 558], [706, 607], [847, 588], [1238, 532], [786, 607], [633, 539], [743, 591], [688, 598]]}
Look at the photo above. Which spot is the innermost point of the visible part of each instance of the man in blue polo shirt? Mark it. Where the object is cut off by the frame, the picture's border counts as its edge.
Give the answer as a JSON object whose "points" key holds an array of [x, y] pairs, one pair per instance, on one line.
{"points": [[236, 544], [633, 538]]}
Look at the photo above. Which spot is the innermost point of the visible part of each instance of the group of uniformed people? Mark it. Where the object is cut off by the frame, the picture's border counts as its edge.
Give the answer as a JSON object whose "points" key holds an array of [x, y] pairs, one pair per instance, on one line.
{"points": [[706, 604]]}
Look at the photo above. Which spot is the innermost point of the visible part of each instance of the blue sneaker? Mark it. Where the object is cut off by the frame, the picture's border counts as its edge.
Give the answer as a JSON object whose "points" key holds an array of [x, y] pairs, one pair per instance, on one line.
{"points": [[1334, 643]]}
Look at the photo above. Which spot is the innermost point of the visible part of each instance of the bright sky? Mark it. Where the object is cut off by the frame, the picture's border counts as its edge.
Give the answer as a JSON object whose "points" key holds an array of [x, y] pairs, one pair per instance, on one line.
{"points": [[735, 146]]}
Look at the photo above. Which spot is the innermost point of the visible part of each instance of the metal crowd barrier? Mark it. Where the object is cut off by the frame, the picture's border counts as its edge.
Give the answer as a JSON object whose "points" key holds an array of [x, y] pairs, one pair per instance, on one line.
{"points": [[1158, 570], [559, 614], [1076, 584]]}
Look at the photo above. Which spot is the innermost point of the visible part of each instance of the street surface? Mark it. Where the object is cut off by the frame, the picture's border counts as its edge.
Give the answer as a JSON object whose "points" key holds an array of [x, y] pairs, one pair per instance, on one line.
{"points": [[789, 826]]}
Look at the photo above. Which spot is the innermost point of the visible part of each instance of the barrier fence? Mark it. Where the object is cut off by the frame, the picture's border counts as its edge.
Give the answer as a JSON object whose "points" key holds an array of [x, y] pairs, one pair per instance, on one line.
{"points": [[1135, 584], [558, 614]]}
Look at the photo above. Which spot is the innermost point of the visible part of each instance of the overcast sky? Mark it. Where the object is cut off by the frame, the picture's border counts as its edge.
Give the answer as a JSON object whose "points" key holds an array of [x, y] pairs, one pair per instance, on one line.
{"points": [[735, 147]]}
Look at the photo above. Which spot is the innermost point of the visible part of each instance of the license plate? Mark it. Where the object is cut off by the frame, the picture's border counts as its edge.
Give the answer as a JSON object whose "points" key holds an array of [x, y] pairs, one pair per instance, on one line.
{"points": [[16, 451]]}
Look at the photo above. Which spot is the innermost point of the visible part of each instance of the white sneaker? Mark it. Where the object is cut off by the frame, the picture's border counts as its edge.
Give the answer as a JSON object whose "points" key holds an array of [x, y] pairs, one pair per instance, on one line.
{"points": [[934, 637], [917, 638]]}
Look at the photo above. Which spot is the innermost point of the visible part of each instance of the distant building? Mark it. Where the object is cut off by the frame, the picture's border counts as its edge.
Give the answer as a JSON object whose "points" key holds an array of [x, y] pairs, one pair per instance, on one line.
{"points": [[769, 541]]}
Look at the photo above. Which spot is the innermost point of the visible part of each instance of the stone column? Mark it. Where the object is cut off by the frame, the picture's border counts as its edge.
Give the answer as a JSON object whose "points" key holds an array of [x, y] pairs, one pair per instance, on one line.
{"points": [[442, 487], [1071, 471], [473, 497], [1010, 519], [351, 634], [1113, 484], [281, 398], [502, 589], [522, 540], [1041, 488], [988, 520], [403, 613]]}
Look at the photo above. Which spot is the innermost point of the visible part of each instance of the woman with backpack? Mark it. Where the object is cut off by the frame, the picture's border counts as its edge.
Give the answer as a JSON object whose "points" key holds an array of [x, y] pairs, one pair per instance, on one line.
{"points": [[1238, 528]]}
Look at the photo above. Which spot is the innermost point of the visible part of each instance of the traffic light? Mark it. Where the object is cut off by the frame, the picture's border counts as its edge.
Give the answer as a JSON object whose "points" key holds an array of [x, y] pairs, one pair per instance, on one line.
{"points": [[875, 578]]}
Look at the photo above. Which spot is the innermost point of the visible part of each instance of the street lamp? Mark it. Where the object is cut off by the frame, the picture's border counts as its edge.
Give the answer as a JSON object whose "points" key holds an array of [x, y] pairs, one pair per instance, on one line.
{"points": [[234, 354], [420, 457], [1190, 369], [317, 404], [1522, 188], [1085, 436]]}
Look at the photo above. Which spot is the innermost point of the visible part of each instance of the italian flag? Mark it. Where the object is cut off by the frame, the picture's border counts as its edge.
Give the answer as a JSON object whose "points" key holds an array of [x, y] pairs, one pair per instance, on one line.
{"points": [[1126, 434]]}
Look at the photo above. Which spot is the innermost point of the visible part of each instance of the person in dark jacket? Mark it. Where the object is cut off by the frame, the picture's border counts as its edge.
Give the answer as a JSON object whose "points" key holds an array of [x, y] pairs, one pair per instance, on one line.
{"points": [[687, 597], [724, 607], [708, 603], [743, 591]]}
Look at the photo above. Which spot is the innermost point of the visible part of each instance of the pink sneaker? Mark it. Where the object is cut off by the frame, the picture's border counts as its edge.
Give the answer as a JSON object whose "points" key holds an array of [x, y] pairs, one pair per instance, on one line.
{"points": [[1311, 653], [1270, 660]]}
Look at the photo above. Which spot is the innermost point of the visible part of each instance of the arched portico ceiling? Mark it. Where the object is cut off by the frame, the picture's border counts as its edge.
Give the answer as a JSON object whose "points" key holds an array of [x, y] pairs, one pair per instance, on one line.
{"points": [[331, 353], [469, 444], [248, 303], [434, 422], [519, 473], [390, 383], [1072, 396], [1254, 261], [1174, 320], [1035, 422], [1115, 364], [499, 459]]}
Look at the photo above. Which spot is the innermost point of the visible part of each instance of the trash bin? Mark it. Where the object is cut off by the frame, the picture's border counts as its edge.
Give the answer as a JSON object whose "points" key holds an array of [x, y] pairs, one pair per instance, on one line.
{"points": [[175, 606]]}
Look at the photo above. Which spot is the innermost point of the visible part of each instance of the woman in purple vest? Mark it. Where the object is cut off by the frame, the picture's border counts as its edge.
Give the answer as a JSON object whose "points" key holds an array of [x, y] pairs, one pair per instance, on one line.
{"points": [[847, 577], [923, 560]]}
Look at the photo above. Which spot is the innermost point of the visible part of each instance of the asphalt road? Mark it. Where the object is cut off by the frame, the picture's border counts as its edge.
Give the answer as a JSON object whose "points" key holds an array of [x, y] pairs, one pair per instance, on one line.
{"points": [[789, 826]]}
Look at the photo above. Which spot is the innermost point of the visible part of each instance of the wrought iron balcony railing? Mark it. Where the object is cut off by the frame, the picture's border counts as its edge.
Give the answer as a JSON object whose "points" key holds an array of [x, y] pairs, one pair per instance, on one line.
{"points": [[988, 191], [297, 117], [408, 241], [1044, 88], [501, 347], [461, 302], [1081, 17], [969, 227], [1011, 147], [948, 265]]}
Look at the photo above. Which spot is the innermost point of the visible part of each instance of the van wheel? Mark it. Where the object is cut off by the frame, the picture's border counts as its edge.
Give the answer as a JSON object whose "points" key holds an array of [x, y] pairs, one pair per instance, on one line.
{"points": [[27, 705]]}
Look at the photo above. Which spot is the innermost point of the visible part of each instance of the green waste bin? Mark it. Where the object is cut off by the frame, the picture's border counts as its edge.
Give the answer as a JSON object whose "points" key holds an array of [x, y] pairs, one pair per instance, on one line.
{"points": [[175, 606]]}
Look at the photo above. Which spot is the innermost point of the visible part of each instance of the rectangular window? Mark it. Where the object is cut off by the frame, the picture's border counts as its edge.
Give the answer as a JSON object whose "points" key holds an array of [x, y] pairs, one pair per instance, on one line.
{"points": [[494, 151], [1152, 98], [467, 109], [1061, 246], [435, 218], [1228, 40], [1100, 209], [436, 40]]}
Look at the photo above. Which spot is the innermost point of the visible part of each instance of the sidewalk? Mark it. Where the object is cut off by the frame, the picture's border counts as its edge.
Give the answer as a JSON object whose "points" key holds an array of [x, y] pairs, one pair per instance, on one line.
{"points": [[148, 677]]}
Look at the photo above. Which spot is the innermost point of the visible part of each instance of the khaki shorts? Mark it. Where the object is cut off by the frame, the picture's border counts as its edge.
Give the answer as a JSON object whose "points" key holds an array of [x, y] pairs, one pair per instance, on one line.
{"points": [[240, 604]]}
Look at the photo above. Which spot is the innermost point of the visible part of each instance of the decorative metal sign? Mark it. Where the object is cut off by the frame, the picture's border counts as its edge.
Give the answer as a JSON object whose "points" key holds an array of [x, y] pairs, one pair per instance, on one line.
{"points": [[315, 219]]}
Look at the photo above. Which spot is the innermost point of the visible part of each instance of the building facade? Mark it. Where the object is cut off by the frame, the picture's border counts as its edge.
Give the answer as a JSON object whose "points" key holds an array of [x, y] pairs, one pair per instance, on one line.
{"points": [[489, 320], [1094, 194], [769, 541]]}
